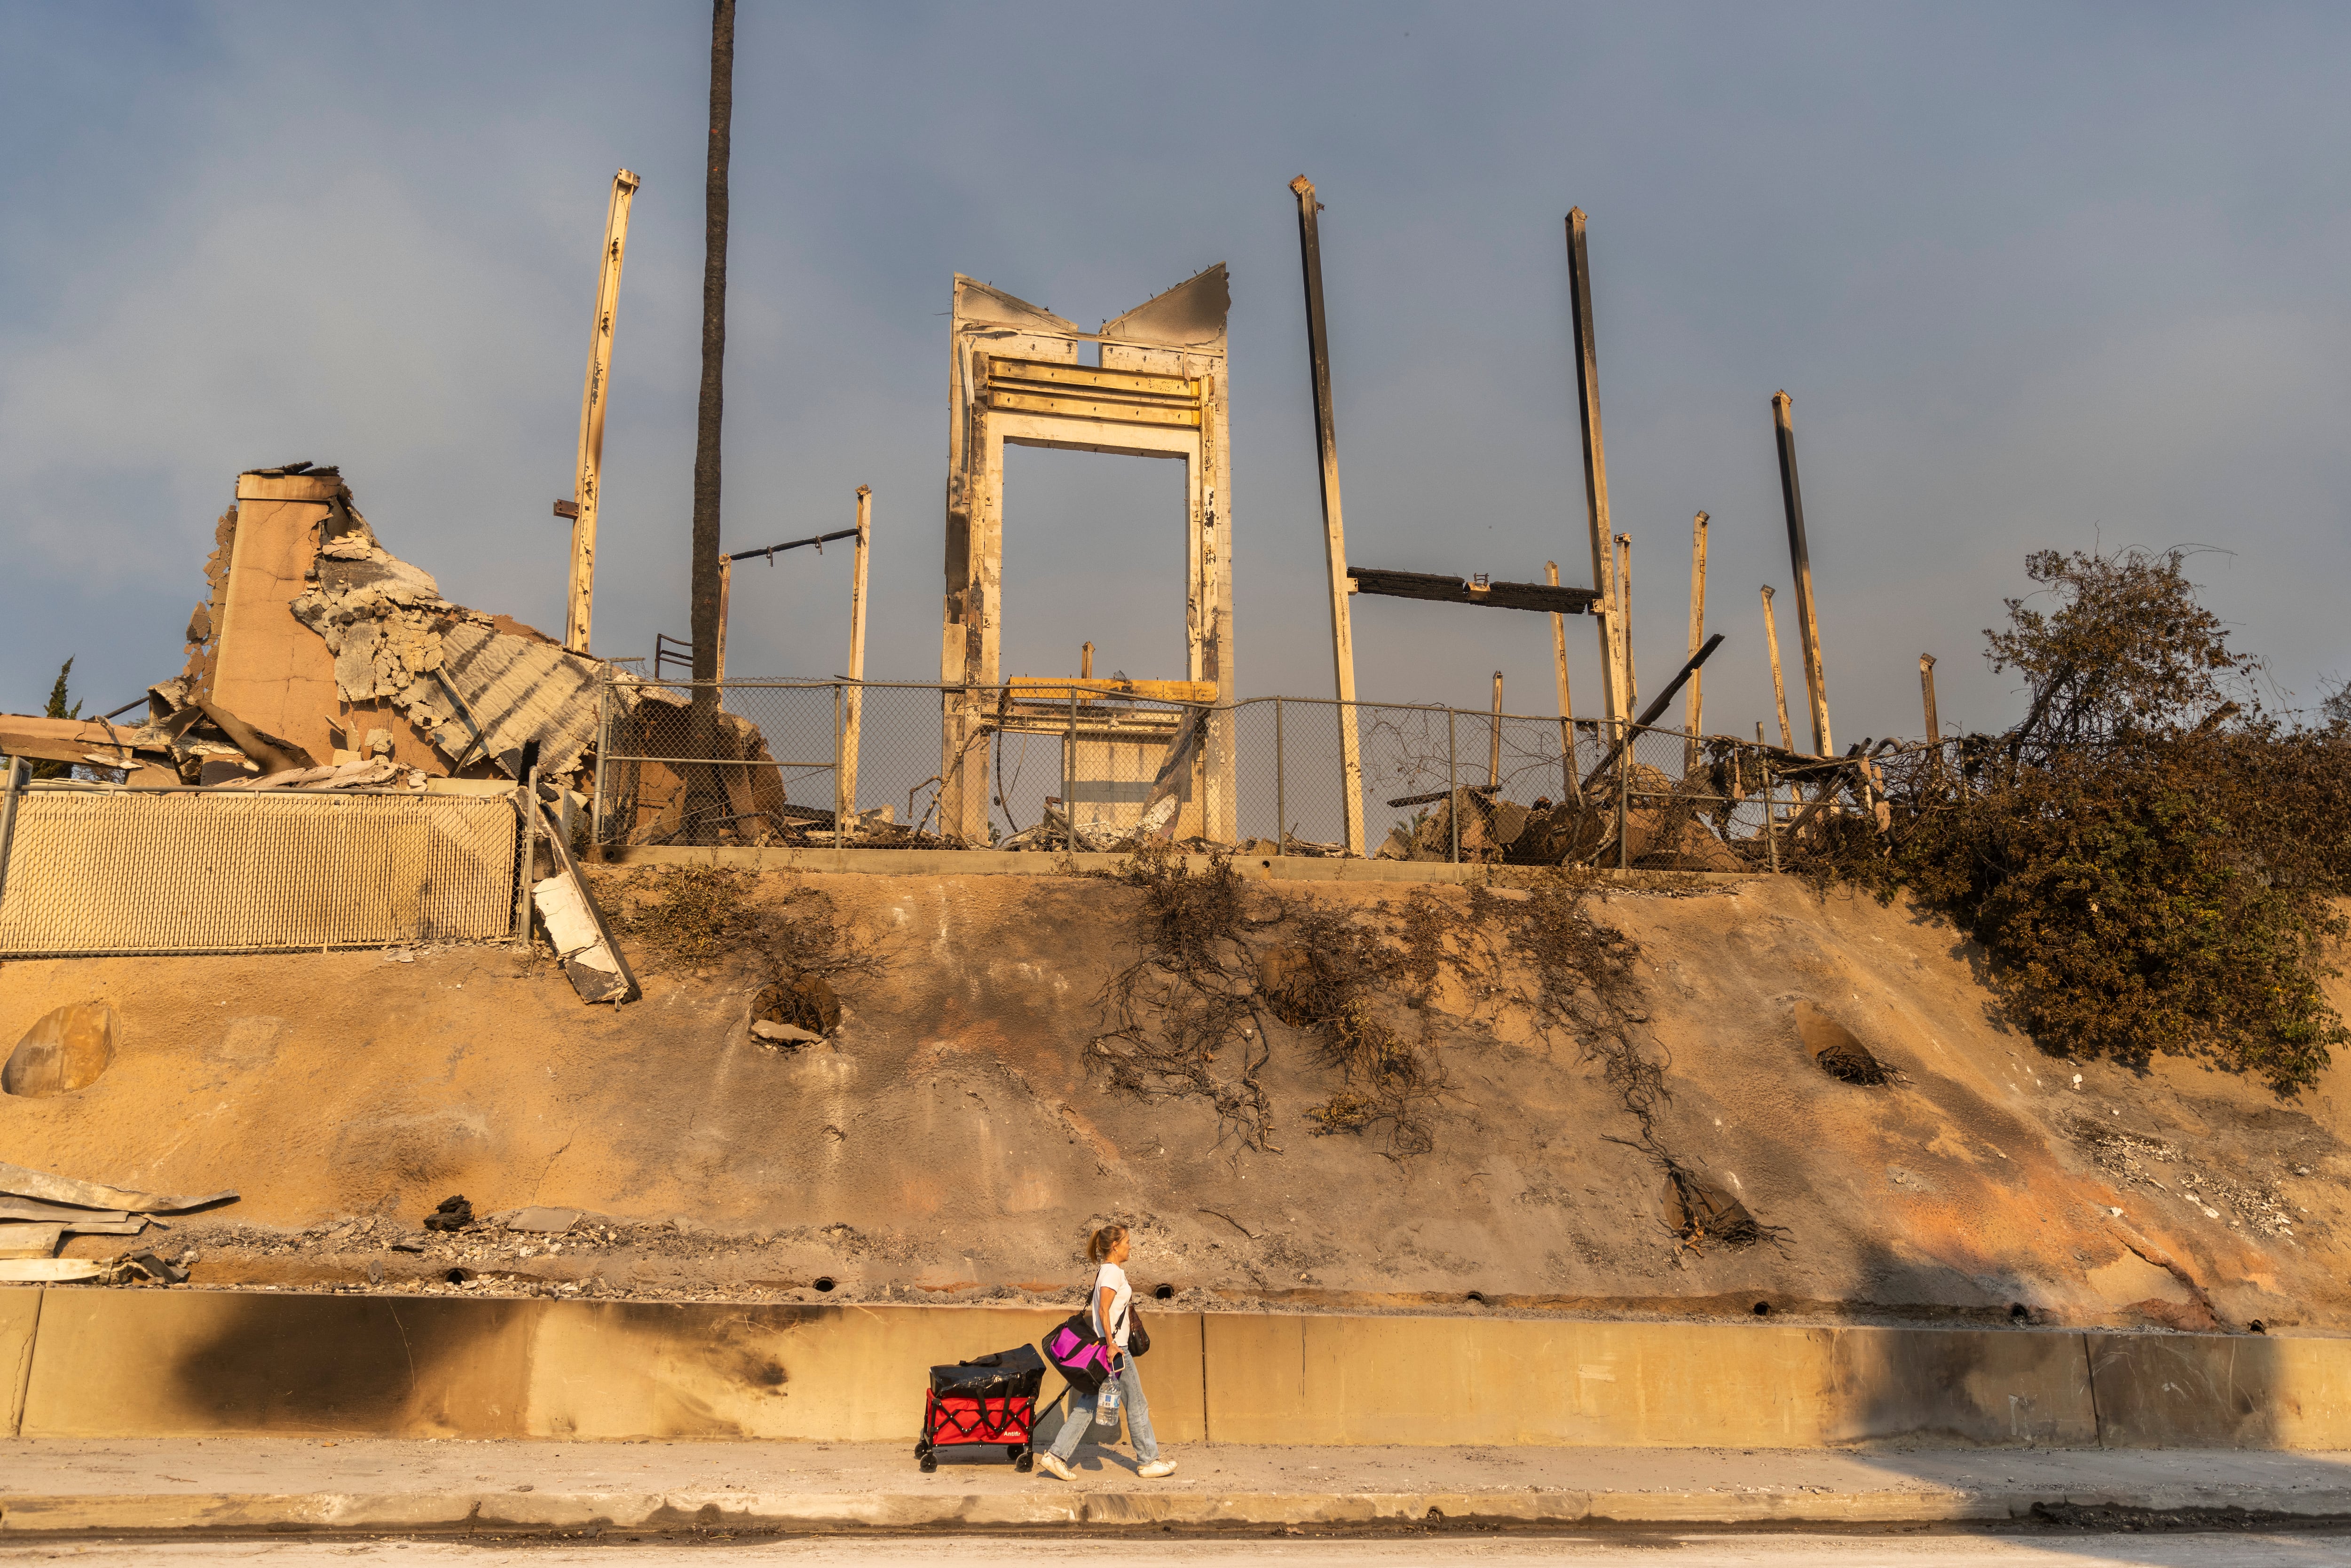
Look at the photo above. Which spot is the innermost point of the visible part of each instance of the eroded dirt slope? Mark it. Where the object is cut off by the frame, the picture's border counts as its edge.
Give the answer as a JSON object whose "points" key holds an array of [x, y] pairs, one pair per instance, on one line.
{"points": [[954, 1138]]}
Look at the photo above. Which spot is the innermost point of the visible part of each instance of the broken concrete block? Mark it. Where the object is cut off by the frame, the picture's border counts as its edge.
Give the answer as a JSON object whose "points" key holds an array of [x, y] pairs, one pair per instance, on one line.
{"points": [[543, 1221], [588, 960], [23, 1241], [53, 1271], [21, 1182], [67, 1048]]}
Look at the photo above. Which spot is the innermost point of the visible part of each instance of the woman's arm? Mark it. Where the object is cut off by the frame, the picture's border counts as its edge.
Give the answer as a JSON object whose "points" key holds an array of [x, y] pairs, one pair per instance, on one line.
{"points": [[1103, 1297]]}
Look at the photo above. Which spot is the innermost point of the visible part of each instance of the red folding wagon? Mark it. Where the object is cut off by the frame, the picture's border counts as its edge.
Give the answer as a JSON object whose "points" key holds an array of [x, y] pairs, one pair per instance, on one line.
{"points": [[990, 1400]]}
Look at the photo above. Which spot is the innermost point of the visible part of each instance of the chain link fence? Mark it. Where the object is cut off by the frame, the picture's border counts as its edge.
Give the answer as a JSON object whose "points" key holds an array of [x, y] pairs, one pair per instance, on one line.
{"points": [[1058, 766], [93, 871]]}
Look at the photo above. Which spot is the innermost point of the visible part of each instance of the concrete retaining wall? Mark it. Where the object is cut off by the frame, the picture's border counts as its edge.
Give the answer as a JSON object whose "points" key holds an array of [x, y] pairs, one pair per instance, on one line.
{"points": [[79, 1363]]}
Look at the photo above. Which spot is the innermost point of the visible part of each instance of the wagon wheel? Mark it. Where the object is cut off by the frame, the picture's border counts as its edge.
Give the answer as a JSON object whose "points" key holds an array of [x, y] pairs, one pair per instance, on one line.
{"points": [[930, 1462], [1026, 1462]]}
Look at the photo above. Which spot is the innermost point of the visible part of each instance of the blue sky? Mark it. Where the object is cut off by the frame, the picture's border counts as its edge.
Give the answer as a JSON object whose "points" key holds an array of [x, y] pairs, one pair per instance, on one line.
{"points": [[2034, 275]]}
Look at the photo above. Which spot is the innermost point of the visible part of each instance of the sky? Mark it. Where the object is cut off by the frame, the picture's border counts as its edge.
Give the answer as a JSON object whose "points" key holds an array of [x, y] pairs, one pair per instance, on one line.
{"points": [[2041, 275]]}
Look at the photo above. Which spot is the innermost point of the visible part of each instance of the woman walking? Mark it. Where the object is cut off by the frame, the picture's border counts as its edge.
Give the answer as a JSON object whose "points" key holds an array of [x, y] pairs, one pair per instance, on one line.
{"points": [[1112, 1309]]}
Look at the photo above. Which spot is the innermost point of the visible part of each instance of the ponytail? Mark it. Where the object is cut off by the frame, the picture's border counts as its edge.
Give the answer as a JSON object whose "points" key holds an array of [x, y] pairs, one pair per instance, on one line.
{"points": [[1098, 1250]]}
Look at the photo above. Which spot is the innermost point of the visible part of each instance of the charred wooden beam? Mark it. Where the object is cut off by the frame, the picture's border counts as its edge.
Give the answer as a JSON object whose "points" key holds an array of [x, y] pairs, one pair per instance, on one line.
{"points": [[1544, 597], [1649, 715]]}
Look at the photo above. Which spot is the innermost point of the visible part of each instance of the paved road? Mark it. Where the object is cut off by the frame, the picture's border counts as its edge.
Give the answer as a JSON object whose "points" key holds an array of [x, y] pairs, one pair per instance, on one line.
{"points": [[2230, 1550]]}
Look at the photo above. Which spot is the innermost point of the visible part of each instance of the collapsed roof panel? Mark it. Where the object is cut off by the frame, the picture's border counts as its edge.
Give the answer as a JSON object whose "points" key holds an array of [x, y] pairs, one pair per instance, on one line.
{"points": [[318, 650]]}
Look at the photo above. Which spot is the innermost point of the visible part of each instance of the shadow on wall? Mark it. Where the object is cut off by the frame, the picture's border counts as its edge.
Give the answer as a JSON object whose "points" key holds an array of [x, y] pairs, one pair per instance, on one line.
{"points": [[283, 1365], [1915, 1394]]}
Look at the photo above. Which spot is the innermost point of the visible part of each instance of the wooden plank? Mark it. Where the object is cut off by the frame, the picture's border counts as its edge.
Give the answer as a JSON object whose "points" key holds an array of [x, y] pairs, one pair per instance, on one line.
{"points": [[1061, 688], [1105, 409], [1001, 369], [1548, 598]]}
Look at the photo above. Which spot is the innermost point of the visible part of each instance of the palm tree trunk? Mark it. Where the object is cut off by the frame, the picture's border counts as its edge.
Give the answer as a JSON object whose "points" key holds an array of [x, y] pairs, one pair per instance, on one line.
{"points": [[705, 796]]}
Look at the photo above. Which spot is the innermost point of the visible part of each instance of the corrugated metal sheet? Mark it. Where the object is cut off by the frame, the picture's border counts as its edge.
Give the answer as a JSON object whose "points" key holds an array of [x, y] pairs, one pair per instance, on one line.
{"points": [[519, 689]]}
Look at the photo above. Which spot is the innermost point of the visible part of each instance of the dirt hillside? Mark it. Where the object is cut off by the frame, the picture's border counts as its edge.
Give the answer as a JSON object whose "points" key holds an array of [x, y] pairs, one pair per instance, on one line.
{"points": [[959, 1129]]}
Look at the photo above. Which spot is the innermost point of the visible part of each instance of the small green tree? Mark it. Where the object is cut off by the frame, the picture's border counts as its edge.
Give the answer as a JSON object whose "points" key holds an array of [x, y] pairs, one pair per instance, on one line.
{"points": [[57, 709]]}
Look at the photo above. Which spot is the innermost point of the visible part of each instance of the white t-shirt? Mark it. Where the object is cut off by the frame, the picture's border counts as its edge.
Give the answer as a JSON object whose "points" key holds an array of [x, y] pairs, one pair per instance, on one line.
{"points": [[1113, 1279]]}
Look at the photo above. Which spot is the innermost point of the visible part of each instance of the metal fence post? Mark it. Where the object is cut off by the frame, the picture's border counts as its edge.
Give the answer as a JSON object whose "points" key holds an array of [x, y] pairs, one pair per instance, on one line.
{"points": [[603, 751], [838, 830], [1069, 779], [525, 806], [1452, 785], [1280, 782], [18, 770], [1624, 801], [1770, 815]]}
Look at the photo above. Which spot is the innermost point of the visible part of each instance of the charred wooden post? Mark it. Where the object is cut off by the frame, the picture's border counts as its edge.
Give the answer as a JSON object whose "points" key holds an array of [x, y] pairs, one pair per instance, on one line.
{"points": [[1334, 531], [1566, 708], [1779, 687], [1694, 715], [1632, 663], [1615, 687], [1494, 741], [1800, 561], [1086, 662], [1650, 714], [588, 468], [1927, 695], [853, 710]]}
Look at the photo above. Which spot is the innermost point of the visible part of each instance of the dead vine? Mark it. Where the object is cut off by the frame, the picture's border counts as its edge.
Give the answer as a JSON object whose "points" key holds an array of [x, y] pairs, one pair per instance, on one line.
{"points": [[1586, 986], [695, 918], [1190, 999]]}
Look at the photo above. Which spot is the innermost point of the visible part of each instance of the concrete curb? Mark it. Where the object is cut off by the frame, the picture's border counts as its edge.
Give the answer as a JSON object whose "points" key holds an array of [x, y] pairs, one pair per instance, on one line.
{"points": [[479, 1512], [1086, 862]]}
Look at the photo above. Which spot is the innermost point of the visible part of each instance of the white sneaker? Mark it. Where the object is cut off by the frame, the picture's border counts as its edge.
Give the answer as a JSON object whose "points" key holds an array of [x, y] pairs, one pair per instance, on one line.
{"points": [[1052, 1465], [1155, 1468]]}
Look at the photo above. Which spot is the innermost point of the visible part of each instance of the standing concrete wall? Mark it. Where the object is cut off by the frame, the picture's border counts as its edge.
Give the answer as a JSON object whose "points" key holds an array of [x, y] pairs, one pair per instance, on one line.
{"points": [[122, 1363]]}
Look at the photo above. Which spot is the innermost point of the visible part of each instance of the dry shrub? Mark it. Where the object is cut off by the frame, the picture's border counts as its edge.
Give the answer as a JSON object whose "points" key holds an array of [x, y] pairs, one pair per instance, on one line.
{"points": [[1390, 1083], [1190, 1002], [681, 917], [2148, 860], [1351, 977], [694, 918], [1704, 1215], [1850, 1061]]}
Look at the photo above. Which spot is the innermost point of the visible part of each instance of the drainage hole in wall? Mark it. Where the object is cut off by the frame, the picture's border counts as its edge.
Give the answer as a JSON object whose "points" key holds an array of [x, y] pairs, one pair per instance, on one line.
{"points": [[2018, 1311], [1762, 1309], [456, 1276], [1477, 1296], [2256, 1326], [1837, 1052], [1164, 1293], [824, 1282]]}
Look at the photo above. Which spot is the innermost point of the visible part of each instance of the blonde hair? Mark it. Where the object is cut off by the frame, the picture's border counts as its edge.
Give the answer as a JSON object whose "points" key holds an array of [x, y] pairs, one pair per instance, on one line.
{"points": [[1105, 1240]]}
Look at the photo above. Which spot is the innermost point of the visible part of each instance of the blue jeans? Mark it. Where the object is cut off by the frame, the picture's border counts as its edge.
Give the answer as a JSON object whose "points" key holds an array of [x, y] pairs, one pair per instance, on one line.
{"points": [[1078, 1416]]}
